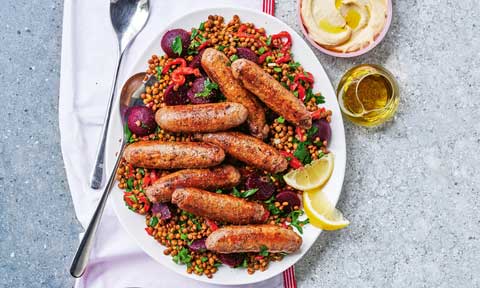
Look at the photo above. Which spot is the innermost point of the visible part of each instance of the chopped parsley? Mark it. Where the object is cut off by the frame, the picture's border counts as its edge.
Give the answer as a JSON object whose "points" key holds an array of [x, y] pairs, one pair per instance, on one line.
{"points": [[312, 131], [302, 153], [277, 69], [183, 236], [128, 134], [298, 223], [281, 120], [202, 26], [319, 99], [177, 45], [159, 72], [221, 48], [244, 194], [294, 65], [183, 257], [204, 259], [261, 50], [219, 191], [269, 40], [153, 221], [208, 86], [244, 263], [271, 206], [233, 57], [129, 184], [194, 33], [263, 251]]}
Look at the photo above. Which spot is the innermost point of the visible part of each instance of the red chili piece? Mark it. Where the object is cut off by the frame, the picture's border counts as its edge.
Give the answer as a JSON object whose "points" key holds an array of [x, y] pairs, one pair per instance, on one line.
{"points": [[213, 226], [177, 61], [294, 162], [262, 57], [178, 75]]}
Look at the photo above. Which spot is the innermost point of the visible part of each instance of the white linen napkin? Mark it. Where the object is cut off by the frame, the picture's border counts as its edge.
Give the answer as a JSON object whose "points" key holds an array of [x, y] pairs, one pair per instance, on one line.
{"points": [[88, 59]]}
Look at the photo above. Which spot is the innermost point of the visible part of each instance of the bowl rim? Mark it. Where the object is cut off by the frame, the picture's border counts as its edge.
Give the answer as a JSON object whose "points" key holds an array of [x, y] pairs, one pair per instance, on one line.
{"points": [[356, 53]]}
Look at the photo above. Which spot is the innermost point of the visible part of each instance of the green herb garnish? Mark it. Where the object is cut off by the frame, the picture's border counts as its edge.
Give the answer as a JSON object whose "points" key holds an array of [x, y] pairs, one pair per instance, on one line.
{"points": [[194, 33], [261, 50], [177, 45], [302, 153], [183, 257], [277, 69], [263, 251], [244, 194], [219, 191], [183, 236], [128, 134], [153, 221], [221, 48], [271, 206], [129, 184], [269, 40], [202, 26], [244, 263], [298, 223], [204, 259], [294, 65], [281, 120], [208, 86], [233, 57]]}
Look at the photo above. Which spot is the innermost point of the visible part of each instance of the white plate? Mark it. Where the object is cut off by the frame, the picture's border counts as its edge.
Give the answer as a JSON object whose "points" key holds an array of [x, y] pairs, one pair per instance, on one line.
{"points": [[135, 223]]}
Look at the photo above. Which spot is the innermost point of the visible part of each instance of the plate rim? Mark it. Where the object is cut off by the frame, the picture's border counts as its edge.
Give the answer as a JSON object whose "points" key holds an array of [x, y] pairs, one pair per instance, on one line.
{"points": [[111, 151]]}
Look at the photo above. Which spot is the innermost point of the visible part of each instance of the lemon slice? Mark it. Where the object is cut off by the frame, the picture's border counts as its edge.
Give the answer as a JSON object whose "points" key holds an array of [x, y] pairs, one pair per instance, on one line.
{"points": [[312, 175], [322, 212]]}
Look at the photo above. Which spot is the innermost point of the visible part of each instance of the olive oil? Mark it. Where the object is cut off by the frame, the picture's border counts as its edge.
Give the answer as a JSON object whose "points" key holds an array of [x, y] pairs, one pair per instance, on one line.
{"points": [[368, 95]]}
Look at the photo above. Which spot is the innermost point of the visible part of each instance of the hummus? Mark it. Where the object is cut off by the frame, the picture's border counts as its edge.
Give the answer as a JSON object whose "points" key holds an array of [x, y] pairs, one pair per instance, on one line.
{"points": [[344, 25]]}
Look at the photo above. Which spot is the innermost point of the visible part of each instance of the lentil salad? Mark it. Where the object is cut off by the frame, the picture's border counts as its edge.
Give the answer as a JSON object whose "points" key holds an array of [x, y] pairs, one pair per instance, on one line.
{"points": [[180, 230]]}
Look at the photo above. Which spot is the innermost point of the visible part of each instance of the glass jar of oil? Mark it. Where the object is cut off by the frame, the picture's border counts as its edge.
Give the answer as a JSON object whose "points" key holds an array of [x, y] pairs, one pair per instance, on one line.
{"points": [[368, 95]]}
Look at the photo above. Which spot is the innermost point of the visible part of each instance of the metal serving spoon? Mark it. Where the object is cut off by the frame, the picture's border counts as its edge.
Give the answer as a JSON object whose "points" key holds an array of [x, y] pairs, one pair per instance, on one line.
{"points": [[128, 18], [130, 96]]}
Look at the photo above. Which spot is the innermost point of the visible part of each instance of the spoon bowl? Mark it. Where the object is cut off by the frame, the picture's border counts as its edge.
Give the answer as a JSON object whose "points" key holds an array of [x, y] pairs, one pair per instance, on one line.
{"points": [[128, 19]]}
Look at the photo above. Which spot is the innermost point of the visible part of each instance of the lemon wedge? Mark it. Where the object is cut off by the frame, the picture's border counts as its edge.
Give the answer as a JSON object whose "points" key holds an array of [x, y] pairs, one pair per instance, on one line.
{"points": [[322, 212], [313, 175]]}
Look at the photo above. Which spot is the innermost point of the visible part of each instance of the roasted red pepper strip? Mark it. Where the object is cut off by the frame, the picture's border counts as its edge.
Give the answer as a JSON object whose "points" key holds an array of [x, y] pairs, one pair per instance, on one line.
{"points": [[301, 93], [126, 198], [146, 203], [284, 59], [130, 170], [203, 45], [284, 34], [307, 78], [149, 230], [177, 61], [213, 226], [146, 181], [178, 75], [299, 133], [316, 114], [294, 162], [264, 56], [258, 257]]}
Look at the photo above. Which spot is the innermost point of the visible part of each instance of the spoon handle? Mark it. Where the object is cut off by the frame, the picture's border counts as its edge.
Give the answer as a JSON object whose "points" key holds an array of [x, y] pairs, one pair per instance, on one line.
{"points": [[97, 173], [81, 257]]}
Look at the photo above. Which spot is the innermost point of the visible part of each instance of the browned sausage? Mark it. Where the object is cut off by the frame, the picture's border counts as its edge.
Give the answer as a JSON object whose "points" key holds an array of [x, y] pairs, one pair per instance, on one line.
{"points": [[251, 238], [216, 65], [271, 92], [219, 177], [173, 155], [248, 149], [211, 117], [219, 207]]}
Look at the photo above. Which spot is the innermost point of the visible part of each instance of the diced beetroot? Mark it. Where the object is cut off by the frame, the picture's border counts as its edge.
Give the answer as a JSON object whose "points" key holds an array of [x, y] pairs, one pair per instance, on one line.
{"points": [[290, 197], [162, 211], [179, 97], [197, 87], [232, 259], [248, 54], [141, 120], [262, 183], [324, 131], [169, 38], [198, 245]]}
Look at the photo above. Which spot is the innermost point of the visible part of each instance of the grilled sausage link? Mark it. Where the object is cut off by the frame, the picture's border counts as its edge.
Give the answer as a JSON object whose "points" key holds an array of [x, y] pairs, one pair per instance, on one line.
{"points": [[252, 238], [216, 65], [248, 149], [173, 155], [219, 207], [210, 117], [271, 92], [219, 177]]}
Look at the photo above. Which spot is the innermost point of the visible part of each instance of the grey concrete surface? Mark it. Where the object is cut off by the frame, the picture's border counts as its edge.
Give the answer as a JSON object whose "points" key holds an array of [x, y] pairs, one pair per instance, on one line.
{"points": [[411, 187]]}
